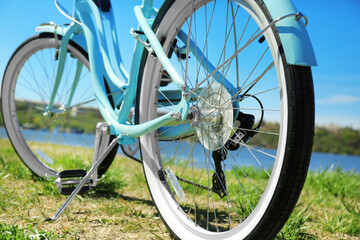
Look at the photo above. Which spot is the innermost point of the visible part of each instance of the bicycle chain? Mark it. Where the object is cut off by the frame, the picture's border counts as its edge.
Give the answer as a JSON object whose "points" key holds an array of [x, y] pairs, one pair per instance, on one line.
{"points": [[162, 177], [194, 184]]}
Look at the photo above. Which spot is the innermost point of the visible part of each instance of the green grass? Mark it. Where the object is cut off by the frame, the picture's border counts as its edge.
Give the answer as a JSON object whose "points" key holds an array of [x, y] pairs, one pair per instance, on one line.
{"points": [[16, 169], [120, 206], [296, 227], [14, 232]]}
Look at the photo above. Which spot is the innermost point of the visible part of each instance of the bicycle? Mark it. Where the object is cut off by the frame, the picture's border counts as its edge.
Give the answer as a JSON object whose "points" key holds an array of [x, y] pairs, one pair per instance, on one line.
{"points": [[198, 84]]}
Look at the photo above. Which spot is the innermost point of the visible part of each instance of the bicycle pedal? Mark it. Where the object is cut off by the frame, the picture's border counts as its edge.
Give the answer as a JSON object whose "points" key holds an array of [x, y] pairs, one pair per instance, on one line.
{"points": [[72, 173], [67, 181]]}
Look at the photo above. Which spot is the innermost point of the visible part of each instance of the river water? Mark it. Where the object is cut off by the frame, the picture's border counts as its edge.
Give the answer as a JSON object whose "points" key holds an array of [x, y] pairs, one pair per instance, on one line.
{"points": [[319, 161]]}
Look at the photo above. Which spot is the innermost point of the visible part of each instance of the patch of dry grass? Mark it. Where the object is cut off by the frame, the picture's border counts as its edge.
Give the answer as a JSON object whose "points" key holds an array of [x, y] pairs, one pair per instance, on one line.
{"points": [[121, 207], [123, 211]]}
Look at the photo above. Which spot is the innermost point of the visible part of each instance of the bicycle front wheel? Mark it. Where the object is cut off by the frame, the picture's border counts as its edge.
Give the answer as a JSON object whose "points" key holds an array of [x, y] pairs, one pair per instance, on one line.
{"points": [[236, 167], [64, 139]]}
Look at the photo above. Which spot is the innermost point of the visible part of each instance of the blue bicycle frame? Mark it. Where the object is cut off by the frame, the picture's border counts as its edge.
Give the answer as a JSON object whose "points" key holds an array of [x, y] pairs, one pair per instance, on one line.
{"points": [[101, 67], [92, 34]]}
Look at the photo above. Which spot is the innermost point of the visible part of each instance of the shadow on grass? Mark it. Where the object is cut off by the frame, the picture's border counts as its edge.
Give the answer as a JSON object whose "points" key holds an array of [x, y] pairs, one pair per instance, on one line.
{"points": [[138, 200], [108, 188], [98, 194]]}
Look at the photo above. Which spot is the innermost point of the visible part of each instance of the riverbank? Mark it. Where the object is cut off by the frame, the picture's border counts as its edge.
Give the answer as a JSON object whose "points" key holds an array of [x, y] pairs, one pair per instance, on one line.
{"points": [[328, 139], [319, 161], [121, 207]]}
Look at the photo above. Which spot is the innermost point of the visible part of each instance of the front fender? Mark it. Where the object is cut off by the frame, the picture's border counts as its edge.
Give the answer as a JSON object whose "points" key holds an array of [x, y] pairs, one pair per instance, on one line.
{"points": [[77, 37], [294, 37]]}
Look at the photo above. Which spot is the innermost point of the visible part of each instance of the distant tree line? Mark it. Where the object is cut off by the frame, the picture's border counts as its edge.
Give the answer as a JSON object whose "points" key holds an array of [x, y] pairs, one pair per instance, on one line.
{"points": [[337, 140], [328, 139], [30, 116]]}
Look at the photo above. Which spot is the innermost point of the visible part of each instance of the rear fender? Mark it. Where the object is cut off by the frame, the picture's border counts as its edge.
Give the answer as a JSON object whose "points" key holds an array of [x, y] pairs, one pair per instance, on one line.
{"points": [[294, 37]]}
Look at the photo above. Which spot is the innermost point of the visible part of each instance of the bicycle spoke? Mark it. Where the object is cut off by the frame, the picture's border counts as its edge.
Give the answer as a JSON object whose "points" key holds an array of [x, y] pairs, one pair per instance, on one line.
{"points": [[254, 82], [42, 64], [262, 92], [205, 47], [246, 176], [29, 87], [188, 42], [257, 160], [254, 68]]}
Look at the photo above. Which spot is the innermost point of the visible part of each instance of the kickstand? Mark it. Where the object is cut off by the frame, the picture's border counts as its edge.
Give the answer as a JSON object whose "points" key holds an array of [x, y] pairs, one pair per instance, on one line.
{"points": [[83, 181]]}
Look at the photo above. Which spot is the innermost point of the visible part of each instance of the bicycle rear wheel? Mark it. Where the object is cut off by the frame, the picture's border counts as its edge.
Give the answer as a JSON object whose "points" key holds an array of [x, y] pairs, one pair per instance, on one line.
{"points": [[198, 171], [60, 141]]}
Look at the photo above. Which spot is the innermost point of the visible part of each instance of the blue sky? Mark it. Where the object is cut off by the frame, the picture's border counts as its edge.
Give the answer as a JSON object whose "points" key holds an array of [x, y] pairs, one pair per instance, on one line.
{"points": [[334, 28]]}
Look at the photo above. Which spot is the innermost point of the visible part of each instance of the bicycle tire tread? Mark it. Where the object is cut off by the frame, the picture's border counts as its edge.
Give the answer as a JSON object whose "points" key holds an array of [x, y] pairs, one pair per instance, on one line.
{"points": [[299, 148]]}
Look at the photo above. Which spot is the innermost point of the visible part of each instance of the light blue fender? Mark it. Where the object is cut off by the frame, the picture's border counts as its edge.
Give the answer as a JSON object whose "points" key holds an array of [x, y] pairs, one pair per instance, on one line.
{"points": [[294, 37], [77, 37]]}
